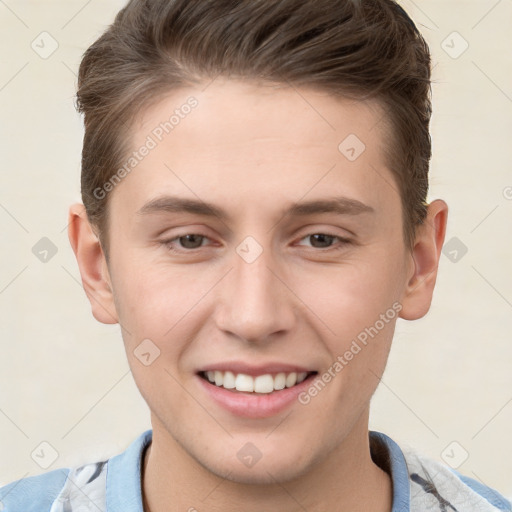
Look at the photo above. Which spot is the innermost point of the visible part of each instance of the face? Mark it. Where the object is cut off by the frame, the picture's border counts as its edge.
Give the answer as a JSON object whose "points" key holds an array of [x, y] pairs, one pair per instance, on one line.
{"points": [[246, 247]]}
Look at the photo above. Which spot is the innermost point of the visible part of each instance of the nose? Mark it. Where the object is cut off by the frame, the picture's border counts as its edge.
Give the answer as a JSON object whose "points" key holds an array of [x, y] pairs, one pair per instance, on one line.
{"points": [[255, 302]]}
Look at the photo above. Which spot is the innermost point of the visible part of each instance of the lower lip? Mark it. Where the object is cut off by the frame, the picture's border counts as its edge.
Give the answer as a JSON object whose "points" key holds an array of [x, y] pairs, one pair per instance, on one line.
{"points": [[255, 405]]}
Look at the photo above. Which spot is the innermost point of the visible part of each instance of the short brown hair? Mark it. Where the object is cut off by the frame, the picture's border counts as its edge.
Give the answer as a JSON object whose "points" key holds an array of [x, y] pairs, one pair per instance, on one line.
{"points": [[360, 49]]}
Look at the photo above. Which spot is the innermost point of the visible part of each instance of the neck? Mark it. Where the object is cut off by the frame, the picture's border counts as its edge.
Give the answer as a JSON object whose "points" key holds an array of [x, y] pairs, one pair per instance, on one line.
{"points": [[347, 480]]}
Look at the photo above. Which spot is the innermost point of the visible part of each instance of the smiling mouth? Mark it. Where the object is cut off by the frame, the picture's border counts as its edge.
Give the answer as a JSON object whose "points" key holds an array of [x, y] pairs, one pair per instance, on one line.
{"points": [[266, 383]]}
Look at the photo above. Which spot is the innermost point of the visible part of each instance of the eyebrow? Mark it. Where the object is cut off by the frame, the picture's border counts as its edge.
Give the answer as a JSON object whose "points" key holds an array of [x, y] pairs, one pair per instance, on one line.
{"points": [[174, 204]]}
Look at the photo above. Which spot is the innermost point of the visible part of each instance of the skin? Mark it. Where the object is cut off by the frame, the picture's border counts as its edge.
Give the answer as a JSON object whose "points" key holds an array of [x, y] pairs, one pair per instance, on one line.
{"points": [[254, 151]]}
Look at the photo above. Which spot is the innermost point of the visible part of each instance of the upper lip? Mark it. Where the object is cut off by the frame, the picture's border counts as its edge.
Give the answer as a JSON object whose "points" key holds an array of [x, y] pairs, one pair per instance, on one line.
{"points": [[254, 370]]}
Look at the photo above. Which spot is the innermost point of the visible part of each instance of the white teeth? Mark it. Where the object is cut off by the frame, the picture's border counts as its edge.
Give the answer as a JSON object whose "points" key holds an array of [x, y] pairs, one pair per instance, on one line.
{"points": [[280, 381], [291, 379], [244, 382], [301, 376], [229, 380], [264, 384], [261, 384]]}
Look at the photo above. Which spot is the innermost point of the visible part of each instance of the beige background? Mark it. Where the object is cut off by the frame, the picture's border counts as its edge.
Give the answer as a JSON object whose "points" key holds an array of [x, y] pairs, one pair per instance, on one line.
{"points": [[64, 378]]}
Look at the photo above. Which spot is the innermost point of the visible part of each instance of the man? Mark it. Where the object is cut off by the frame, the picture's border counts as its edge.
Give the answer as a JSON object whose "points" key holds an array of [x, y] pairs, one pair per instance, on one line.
{"points": [[254, 177]]}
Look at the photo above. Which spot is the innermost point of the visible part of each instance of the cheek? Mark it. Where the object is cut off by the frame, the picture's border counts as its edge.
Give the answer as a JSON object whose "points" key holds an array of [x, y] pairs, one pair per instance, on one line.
{"points": [[154, 308], [151, 299], [352, 295], [356, 307]]}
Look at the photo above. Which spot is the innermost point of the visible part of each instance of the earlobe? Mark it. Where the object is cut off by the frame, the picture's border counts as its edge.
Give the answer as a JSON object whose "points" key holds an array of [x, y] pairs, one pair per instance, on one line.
{"points": [[425, 256], [92, 265]]}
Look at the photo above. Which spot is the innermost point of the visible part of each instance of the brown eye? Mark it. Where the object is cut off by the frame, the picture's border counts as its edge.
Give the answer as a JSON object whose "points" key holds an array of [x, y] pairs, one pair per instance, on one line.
{"points": [[321, 240], [184, 243], [325, 241], [191, 241]]}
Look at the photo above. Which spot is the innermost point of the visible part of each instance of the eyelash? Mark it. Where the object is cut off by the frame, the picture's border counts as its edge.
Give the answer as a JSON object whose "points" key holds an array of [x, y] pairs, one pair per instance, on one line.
{"points": [[168, 243]]}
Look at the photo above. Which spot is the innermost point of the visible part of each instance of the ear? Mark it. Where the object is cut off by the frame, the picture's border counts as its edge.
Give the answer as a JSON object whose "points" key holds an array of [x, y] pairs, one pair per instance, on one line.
{"points": [[425, 261], [92, 264]]}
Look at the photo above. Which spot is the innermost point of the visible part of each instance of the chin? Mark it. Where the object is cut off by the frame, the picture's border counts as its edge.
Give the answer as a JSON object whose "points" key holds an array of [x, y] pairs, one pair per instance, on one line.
{"points": [[271, 468], [263, 475]]}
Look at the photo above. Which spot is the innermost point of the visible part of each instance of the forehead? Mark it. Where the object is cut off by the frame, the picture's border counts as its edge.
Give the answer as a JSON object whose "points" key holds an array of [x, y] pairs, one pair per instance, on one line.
{"points": [[230, 139], [256, 113]]}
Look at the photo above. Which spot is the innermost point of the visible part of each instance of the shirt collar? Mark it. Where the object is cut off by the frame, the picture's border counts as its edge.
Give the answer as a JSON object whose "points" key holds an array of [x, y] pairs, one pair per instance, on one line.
{"points": [[388, 455], [124, 483]]}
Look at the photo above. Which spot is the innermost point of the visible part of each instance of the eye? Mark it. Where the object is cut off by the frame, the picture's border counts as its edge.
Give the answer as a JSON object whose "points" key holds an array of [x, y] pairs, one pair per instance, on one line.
{"points": [[187, 242], [191, 241], [325, 240]]}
